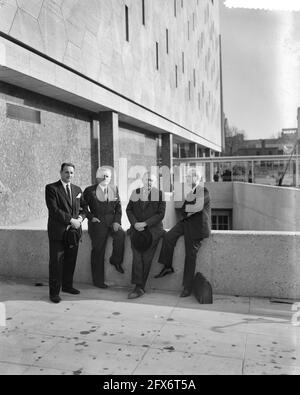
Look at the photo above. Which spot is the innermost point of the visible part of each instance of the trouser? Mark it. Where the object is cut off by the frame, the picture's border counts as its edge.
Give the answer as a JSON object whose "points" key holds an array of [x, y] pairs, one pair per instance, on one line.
{"points": [[191, 249], [99, 235], [141, 264], [61, 266]]}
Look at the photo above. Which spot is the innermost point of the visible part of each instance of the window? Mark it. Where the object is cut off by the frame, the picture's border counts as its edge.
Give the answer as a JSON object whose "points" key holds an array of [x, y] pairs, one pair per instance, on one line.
{"points": [[167, 41], [127, 22], [176, 76], [143, 13], [221, 220], [157, 58], [175, 8], [22, 113], [183, 62]]}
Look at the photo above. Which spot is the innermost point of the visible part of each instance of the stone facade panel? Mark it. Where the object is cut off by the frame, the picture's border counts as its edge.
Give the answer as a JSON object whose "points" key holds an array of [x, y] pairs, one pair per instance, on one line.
{"points": [[90, 36]]}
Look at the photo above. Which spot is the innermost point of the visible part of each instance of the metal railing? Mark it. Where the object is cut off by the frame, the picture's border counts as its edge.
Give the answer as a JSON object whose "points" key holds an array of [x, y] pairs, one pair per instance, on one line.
{"points": [[268, 170]]}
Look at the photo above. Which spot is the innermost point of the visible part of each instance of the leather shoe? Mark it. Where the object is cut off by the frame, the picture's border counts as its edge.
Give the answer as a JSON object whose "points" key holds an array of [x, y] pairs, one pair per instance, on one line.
{"points": [[55, 299], [164, 272], [71, 291], [102, 286], [186, 292], [119, 268], [136, 293]]}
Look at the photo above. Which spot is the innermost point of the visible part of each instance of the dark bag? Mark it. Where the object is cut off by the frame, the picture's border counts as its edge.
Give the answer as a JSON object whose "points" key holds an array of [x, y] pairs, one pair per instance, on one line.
{"points": [[72, 237], [202, 289]]}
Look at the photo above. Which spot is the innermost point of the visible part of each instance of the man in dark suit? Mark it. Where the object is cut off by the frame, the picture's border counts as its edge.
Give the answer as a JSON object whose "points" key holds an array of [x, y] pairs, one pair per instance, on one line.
{"points": [[65, 206], [145, 211], [104, 212], [195, 226]]}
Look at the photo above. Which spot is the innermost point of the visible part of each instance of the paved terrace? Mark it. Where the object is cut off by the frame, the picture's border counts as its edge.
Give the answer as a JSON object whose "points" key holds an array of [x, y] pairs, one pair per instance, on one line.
{"points": [[102, 332]]}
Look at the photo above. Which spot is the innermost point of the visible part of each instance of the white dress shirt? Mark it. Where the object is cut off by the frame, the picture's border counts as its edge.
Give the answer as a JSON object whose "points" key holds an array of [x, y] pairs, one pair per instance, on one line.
{"points": [[65, 187], [99, 196]]}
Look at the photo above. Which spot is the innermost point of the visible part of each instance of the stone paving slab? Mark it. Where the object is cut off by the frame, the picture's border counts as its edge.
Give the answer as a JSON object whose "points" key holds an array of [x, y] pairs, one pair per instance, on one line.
{"points": [[102, 332], [180, 363]]}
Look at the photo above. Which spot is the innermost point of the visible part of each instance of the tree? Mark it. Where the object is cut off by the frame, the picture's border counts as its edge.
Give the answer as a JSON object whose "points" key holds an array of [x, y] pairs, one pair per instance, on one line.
{"points": [[234, 139]]}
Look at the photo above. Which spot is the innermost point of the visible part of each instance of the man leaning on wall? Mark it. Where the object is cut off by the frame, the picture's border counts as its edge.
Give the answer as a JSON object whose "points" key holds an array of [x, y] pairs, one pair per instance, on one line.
{"points": [[65, 207], [146, 210], [104, 212], [194, 226]]}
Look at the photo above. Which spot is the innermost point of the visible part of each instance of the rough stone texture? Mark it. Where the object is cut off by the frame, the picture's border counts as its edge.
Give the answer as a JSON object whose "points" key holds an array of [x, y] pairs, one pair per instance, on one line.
{"points": [[8, 11], [90, 37], [237, 263], [31, 154]]}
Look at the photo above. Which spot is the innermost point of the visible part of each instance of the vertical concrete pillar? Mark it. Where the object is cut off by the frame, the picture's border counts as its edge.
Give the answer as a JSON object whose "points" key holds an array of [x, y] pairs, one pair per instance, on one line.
{"points": [[166, 161], [208, 175], [109, 140], [95, 148]]}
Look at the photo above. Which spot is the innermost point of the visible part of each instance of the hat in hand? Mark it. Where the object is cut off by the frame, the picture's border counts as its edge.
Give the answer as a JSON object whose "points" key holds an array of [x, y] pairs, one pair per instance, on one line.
{"points": [[141, 241]]}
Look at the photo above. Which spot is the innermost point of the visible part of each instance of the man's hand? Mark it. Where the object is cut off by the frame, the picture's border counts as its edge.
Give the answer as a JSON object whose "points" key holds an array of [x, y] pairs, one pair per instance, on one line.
{"points": [[96, 220], [75, 223], [140, 226], [116, 227]]}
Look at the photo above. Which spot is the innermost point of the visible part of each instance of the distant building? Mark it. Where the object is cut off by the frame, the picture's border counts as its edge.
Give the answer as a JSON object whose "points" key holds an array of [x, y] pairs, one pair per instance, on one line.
{"points": [[262, 147]]}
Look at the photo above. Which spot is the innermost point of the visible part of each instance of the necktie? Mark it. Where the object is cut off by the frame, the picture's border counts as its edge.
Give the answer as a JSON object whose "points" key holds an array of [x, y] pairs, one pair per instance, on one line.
{"points": [[69, 193], [145, 197], [105, 194]]}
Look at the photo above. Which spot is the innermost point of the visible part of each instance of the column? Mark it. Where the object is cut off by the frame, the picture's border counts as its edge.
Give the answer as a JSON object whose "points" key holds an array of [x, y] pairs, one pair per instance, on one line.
{"points": [[208, 175], [95, 148], [166, 161], [109, 140]]}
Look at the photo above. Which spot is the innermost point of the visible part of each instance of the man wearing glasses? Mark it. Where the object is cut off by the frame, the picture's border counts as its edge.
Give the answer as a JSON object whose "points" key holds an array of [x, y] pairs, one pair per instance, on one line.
{"points": [[104, 214]]}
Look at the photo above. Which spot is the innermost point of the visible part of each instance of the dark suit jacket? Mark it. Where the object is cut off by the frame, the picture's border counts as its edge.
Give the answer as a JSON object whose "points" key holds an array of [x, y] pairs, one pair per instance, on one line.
{"points": [[199, 223], [152, 211], [60, 210], [107, 212]]}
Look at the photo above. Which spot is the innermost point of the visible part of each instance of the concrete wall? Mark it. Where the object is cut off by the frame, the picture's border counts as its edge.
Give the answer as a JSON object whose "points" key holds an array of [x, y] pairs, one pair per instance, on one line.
{"points": [[89, 37], [221, 194], [237, 263], [263, 207], [32, 153]]}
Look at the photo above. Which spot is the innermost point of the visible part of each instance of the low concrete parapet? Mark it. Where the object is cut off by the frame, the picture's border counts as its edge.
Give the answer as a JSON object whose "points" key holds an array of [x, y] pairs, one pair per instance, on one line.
{"points": [[263, 264]]}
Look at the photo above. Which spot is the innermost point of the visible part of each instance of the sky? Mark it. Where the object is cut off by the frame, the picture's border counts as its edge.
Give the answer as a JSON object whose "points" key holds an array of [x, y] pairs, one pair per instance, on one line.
{"points": [[261, 68]]}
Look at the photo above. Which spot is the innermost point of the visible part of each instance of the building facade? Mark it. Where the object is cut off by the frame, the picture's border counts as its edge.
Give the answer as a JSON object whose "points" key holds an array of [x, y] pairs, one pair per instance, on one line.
{"points": [[95, 81]]}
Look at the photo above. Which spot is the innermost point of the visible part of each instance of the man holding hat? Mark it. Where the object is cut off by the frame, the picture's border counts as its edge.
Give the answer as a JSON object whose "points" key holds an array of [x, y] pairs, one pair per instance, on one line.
{"points": [[104, 213], [66, 210], [145, 211]]}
